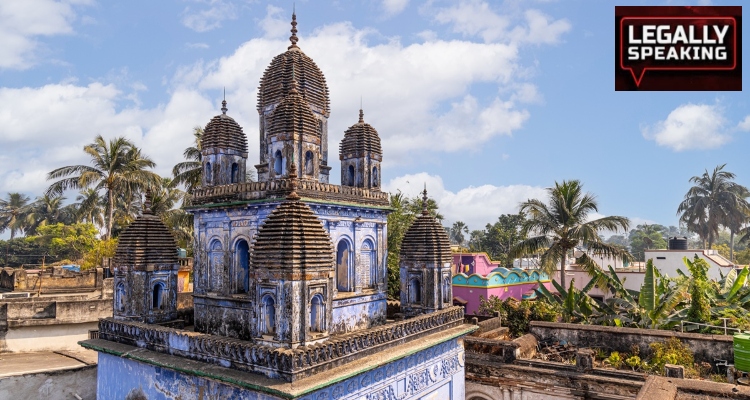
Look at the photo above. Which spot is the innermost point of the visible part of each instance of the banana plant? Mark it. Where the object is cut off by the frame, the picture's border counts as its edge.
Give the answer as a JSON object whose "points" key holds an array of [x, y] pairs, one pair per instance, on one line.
{"points": [[576, 304]]}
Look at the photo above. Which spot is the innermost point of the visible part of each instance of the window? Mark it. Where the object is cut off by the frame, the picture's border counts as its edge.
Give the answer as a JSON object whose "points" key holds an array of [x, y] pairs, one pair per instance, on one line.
{"points": [[208, 172], [309, 163], [343, 267], [375, 182], [241, 256], [351, 175], [235, 173], [158, 297], [415, 291], [370, 257], [215, 264], [120, 297], [277, 163], [446, 289], [268, 312], [317, 314]]}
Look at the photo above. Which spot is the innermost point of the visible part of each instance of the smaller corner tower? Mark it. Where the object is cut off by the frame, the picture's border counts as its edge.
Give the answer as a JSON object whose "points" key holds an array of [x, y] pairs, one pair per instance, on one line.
{"points": [[223, 150], [361, 155], [425, 265], [146, 265], [292, 259]]}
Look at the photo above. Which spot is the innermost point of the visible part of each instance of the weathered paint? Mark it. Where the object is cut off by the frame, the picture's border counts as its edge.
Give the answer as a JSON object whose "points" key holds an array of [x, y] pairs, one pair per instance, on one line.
{"points": [[433, 373]]}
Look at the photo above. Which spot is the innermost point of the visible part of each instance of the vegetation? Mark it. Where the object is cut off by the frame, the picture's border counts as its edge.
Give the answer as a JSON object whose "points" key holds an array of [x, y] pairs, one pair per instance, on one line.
{"points": [[563, 224], [497, 239], [516, 315]]}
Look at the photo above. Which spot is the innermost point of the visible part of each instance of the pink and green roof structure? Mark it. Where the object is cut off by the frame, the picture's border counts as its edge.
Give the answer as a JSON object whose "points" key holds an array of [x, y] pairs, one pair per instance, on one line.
{"points": [[486, 278]]}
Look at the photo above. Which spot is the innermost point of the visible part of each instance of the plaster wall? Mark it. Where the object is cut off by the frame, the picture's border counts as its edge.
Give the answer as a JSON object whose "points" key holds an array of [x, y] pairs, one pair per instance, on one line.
{"points": [[668, 261], [57, 385], [482, 264], [436, 373], [472, 294], [46, 337]]}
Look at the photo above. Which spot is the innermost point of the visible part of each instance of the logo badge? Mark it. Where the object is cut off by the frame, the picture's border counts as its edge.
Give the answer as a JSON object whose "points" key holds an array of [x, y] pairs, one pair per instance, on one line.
{"points": [[678, 48]]}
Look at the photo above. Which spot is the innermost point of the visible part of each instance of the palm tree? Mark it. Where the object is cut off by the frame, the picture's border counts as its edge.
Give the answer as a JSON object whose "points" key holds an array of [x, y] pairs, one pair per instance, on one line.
{"points": [[189, 173], [13, 211], [457, 232], [563, 225], [90, 207], [47, 210], [737, 218], [117, 168], [712, 202]]}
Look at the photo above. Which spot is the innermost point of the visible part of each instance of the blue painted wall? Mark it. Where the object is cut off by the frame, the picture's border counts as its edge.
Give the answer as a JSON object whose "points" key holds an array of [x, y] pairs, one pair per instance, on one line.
{"points": [[434, 373]]}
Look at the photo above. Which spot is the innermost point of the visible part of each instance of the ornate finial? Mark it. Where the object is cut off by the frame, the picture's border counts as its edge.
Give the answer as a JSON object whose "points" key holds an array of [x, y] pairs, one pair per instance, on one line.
{"points": [[147, 203], [293, 178], [293, 38], [294, 88], [361, 116], [424, 200]]}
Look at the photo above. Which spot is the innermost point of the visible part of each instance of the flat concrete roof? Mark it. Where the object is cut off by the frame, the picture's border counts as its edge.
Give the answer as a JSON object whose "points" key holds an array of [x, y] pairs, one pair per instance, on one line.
{"points": [[14, 364]]}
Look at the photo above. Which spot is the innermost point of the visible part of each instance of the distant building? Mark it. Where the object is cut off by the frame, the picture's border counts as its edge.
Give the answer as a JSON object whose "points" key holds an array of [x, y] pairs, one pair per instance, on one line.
{"points": [[480, 278], [290, 273]]}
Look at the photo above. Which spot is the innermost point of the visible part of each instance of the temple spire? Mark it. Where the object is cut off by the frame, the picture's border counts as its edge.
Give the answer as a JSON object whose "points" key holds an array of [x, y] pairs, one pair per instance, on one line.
{"points": [[424, 200], [224, 108], [361, 116], [147, 203], [293, 38]]}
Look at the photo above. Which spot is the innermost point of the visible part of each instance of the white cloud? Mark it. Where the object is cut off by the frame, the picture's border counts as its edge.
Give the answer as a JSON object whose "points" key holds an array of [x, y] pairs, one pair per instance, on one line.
{"points": [[73, 116], [420, 88], [196, 45], [23, 22], [744, 124], [275, 24], [690, 127], [476, 206], [475, 18], [210, 17], [393, 7]]}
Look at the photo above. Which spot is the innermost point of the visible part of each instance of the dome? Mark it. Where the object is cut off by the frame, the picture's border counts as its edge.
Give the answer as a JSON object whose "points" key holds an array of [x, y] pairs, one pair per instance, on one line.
{"points": [[426, 240], [224, 132], [292, 237], [293, 115], [360, 138], [146, 241], [284, 69]]}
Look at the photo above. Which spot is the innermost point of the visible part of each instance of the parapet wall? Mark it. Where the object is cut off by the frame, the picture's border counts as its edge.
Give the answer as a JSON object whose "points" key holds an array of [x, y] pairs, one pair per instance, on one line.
{"points": [[51, 281], [706, 348]]}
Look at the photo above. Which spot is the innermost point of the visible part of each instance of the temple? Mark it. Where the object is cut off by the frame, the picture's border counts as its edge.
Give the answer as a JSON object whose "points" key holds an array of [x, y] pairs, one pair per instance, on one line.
{"points": [[290, 272]]}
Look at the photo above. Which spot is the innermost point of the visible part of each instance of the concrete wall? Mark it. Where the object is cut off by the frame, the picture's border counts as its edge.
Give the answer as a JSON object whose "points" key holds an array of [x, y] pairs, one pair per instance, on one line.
{"points": [[56, 385], [46, 337], [668, 261], [55, 280], [705, 347]]}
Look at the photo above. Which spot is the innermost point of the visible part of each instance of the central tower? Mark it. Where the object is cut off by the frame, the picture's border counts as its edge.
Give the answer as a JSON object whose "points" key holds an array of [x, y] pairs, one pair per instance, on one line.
{"points": [[294, 107]]}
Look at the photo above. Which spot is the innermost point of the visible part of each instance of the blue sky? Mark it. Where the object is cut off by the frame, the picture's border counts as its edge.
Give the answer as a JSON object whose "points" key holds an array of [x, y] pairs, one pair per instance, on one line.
{"points": [[488, 102]]}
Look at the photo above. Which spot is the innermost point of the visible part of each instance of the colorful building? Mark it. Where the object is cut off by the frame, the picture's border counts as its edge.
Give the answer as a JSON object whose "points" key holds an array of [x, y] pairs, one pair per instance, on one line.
{"points": [[480, 277]]}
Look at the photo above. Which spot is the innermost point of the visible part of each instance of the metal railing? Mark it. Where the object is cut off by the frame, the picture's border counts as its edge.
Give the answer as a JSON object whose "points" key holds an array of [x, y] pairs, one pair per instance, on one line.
{"points": [[725, 327]]}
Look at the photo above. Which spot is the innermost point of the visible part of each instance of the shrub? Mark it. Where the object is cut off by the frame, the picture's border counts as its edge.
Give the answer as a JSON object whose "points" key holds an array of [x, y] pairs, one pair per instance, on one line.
{"points": [[517, 314], [633, 362], [614, 360], [672, 351]]}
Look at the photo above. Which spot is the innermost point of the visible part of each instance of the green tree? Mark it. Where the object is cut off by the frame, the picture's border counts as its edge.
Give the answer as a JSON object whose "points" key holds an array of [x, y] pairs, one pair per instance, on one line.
{"points": [[646, 237], [497, 239], [118, 168], [457, 231], [189, 173], [563, 224], [700, 288], [66, 241], [49, 209], [13, 212], [711, 202], [90, 207]]}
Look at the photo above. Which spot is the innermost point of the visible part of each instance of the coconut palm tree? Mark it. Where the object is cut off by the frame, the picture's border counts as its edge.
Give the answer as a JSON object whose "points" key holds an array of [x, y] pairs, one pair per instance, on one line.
{"points": [[562, 225], [90, 207], [47, 210], [457, 232], [189, 173], [117, 167], [711, 203], [13, 211]]}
